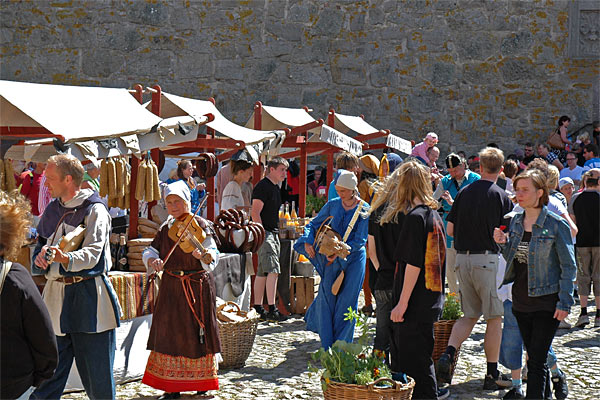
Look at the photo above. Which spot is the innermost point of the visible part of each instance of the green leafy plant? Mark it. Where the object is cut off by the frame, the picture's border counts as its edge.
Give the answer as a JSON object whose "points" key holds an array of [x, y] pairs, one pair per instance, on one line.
{"points": [[355, 363], [314, 203], [451, 307]]}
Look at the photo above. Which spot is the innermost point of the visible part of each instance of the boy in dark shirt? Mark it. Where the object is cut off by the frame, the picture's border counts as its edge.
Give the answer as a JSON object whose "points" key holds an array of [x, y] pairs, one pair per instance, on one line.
{"points": [[266, 200]]}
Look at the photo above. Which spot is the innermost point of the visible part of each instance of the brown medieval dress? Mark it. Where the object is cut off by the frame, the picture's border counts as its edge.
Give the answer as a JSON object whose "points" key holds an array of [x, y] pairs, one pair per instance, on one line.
{"points": [[182, 359]]}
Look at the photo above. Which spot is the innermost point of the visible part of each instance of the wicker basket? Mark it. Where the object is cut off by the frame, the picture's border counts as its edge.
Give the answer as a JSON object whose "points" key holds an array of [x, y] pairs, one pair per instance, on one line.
{"points": [[347, 391], [237, 339], [441, 332]]}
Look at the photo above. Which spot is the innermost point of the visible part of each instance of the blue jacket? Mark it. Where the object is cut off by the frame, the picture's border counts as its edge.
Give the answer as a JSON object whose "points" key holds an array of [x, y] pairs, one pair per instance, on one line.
{"points": [[551, 261]]}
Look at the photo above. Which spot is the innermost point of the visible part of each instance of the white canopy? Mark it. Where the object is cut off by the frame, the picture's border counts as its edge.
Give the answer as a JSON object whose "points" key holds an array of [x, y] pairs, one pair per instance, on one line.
{"points": [[346, 123], [85, 119], [173, 105], [282, 117]]}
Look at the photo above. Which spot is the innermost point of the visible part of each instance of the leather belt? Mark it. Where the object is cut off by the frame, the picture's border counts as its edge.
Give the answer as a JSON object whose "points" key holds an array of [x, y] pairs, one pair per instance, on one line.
{"points": [[475, 252], [69, 280], [183, 273]]}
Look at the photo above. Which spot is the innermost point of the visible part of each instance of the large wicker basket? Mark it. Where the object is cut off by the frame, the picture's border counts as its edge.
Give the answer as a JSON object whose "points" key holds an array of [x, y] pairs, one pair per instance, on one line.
{"points": [[237, 339], [347, 391], [441, 332]]}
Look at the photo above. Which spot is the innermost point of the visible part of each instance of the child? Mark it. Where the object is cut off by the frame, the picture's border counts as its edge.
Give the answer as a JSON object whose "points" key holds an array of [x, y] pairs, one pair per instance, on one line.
{"points": [[420, 150]]}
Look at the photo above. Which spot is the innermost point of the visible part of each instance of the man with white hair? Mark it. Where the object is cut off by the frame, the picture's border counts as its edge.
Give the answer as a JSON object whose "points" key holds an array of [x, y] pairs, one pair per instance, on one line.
{"points": [[90, 177], [82, 303]]}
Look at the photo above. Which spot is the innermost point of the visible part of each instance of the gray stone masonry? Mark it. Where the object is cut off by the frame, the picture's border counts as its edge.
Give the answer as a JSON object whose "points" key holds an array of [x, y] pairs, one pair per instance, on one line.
{"points": [[475, 71]]}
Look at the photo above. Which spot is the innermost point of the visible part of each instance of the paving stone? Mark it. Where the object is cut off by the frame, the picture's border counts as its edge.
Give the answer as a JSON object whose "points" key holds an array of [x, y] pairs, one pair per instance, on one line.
{"points": [[277, 366]]}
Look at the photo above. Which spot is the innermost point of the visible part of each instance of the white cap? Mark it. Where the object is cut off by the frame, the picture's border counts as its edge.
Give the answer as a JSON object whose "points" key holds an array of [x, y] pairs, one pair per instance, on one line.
{"points": [[431, 135], [347, 180], [180, 189], [565, 181]]}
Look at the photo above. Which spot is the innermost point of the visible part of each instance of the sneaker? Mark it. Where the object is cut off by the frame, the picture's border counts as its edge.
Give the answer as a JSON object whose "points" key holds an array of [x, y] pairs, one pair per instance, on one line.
{"points": [[524, 373], [559, 384], [564, 325], [514, 393], [443, 393], [443, 367], [597, 322], [503, 381], [276, 316], [582, 321]]}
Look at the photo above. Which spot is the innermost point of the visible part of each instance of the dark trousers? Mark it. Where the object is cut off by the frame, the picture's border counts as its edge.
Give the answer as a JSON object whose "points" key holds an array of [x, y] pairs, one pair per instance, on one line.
{"points": [[94, 355], [537, 330], [412, 347], [383, 329]]}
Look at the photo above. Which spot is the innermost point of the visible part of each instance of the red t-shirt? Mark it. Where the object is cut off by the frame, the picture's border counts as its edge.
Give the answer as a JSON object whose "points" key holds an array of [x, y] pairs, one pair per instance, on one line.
{"points": [[31, 189]]}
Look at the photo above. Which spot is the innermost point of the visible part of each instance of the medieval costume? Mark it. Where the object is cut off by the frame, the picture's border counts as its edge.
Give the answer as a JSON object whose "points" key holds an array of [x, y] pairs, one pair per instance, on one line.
{"points": [[325, 315], [184, 338]]}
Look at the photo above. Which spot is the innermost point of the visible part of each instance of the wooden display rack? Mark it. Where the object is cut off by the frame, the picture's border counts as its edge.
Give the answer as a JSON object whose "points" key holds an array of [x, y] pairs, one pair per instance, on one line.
{"points": [[303, 291]]}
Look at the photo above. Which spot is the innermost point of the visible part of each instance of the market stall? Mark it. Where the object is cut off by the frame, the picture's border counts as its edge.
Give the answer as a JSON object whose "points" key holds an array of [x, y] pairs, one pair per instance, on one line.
{"points": [[92, 123]]}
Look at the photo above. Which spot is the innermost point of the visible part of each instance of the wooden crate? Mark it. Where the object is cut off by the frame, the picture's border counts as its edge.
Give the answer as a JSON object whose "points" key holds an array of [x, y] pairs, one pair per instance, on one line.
{"points": [[302, 292]]}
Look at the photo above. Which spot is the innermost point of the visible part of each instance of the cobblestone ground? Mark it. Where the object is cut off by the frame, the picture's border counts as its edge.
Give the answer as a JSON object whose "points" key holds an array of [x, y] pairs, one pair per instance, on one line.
{"points": [[277, 366]]}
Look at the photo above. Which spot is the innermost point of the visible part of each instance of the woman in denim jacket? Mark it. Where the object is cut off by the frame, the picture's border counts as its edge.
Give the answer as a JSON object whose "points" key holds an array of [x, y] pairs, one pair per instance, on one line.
{"points": [[541, 264]]}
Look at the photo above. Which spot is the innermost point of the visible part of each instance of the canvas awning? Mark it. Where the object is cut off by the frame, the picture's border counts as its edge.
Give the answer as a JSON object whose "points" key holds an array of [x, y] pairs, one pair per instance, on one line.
{"points": [[346, 123], [173, 105], [282, 117], [91, 121]]}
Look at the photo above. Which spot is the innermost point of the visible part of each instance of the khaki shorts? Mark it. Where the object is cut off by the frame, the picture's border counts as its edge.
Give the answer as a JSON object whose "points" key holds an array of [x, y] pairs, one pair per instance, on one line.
{"points": [[477, 285], [268, 255], [588, 270]]}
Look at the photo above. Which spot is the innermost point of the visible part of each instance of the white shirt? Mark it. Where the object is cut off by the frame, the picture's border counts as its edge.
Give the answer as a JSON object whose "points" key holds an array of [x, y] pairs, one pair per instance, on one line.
{"points": [[574, 173], [232, 196]]}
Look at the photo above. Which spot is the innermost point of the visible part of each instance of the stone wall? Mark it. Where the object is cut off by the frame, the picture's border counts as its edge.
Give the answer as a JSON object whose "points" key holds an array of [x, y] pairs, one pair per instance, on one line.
{"points": [[474, 71]]}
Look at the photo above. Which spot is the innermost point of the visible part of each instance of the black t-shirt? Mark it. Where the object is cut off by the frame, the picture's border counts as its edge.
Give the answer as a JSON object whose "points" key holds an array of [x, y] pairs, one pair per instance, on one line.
{"points": [[270, 194], [422, 243], [477, 210], [528, 159], [520, 295], [586, 207], [386, 239]]}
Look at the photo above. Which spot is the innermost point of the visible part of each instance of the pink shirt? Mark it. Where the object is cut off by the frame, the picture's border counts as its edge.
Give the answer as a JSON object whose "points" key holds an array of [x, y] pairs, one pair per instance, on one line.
{"points": [[420, 150]]}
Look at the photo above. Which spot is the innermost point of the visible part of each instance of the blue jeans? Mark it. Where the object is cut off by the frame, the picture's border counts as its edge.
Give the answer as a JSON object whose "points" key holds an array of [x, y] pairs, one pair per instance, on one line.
{"points": [[94, 355], [511, 348]]}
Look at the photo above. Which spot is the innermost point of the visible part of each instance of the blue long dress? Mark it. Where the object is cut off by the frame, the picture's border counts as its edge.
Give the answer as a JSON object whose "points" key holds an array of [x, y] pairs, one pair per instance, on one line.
{"points": [[325, 315]]}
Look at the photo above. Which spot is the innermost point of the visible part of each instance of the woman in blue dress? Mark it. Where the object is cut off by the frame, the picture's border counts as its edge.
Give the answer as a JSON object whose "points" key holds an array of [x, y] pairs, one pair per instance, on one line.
{"points": [[185, 170], [325, 315]]}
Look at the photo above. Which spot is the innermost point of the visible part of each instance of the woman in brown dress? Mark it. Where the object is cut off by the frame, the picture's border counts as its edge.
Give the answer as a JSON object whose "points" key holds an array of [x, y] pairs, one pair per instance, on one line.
{"points": [[184, 339]]}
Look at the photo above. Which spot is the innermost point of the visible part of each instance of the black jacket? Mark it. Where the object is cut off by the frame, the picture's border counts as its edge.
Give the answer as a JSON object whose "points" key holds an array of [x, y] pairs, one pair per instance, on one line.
{"points": [[28, 343]]}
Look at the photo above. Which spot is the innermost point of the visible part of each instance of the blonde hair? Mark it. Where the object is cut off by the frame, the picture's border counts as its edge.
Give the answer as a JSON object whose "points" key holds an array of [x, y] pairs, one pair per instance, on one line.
{"points": [[68, 165], [491, 160], [553, 177], [539, 182], [384, 190], [413, 180], [15, 220], [583, 136]]}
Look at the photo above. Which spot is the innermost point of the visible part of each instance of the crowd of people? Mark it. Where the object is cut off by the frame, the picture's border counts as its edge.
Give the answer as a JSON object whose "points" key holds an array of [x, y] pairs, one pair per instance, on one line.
{"points": [[511, 236]]}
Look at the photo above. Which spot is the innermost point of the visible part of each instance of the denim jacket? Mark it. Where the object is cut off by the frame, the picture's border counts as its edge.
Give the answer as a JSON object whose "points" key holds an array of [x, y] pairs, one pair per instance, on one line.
{"points": [[551, 261]]}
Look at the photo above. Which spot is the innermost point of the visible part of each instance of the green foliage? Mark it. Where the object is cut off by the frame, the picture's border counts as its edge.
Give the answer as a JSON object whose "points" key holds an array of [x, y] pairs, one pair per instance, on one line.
{"points": [[314, 203], [451, 307], [354, 363]]}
